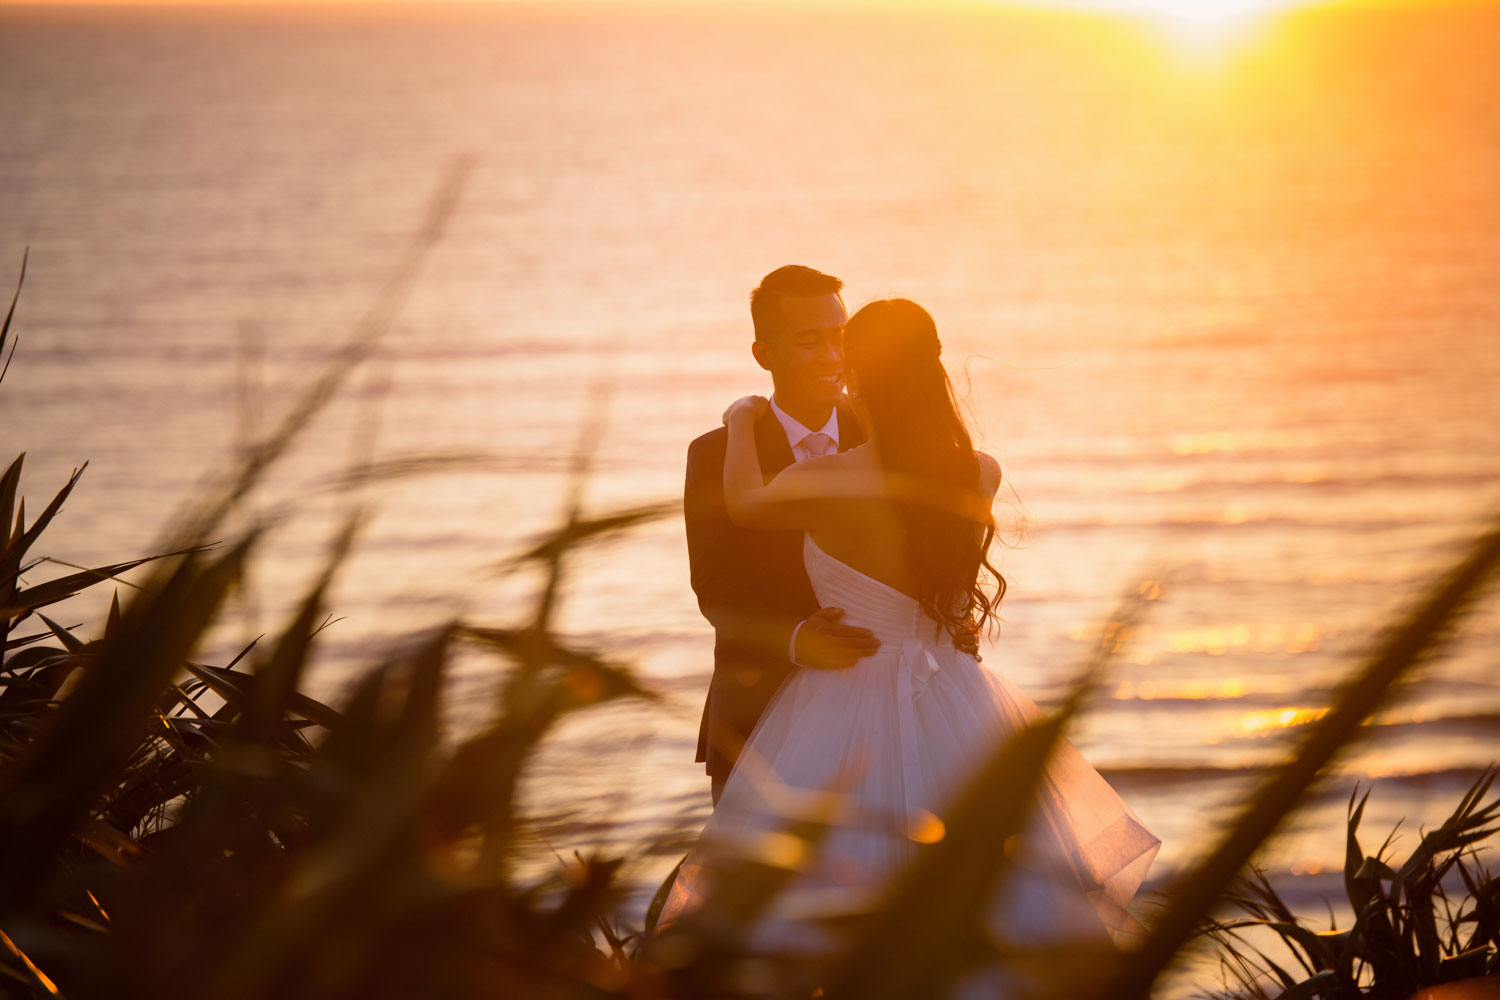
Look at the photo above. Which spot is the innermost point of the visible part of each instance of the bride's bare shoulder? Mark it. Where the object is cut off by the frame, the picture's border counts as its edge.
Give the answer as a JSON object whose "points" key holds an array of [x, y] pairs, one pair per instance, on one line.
{"points": [[989, 473]]}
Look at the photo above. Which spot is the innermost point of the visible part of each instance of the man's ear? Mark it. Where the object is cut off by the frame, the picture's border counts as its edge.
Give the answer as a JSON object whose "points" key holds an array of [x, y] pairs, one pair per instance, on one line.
{"points": [[758, 349]]}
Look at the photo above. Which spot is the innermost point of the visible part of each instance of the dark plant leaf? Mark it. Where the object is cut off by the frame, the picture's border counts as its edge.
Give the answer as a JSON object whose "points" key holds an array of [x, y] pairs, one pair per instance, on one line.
{"points": [[112, 623], [5, 327], [659, 899], [27, 640], [8, 485], [64, 587], [1310, 987], [34, 532], [277, 677], [1359, 890], [31, 659], [45, 795], [71, 642], [575, 532], [1465, 965]]}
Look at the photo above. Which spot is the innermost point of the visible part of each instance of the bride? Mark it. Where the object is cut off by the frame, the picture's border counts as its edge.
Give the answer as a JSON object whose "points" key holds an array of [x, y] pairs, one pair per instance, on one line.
{"points": [[897, 532]]}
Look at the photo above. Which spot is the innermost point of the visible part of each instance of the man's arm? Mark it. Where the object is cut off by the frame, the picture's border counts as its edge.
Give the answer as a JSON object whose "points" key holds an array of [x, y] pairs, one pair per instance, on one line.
{"points": [[727, 594]]}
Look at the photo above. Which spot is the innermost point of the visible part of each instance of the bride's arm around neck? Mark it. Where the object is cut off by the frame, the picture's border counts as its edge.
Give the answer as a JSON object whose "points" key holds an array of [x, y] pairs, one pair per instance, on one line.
{"points": [[798, 499]]}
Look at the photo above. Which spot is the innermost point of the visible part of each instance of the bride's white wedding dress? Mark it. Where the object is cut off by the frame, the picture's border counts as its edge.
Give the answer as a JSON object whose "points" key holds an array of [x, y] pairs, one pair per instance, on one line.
{"points": [[899, 734]]}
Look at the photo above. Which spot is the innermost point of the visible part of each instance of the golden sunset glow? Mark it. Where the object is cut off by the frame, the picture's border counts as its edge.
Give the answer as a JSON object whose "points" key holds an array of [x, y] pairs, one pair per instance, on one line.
{"points": [[406, 330], [1219, 14], [1229, 687], [1217, 640], [1203, 34], [1261, 723]]}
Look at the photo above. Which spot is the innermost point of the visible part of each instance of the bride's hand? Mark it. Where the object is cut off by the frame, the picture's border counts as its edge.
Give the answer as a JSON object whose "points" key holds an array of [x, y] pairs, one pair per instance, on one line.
{"points": [[754, 406]]}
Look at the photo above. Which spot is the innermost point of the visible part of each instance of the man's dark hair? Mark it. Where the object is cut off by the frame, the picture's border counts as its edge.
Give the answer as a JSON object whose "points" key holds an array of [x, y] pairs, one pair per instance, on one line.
{"points": [[793, 279]]}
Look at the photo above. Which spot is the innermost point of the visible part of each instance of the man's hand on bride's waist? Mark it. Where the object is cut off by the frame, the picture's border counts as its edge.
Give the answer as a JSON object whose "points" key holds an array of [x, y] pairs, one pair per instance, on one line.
{"points": [[821, 643]]}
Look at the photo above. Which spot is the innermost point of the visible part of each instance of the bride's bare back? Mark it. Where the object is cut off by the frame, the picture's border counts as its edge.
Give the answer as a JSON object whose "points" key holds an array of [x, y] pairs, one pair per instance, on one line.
{"points": [[861, 528], [847, 508]]}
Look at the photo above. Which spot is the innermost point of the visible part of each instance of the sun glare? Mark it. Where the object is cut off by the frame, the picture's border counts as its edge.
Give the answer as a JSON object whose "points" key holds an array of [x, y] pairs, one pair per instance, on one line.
{"points": [[1206, 29]]}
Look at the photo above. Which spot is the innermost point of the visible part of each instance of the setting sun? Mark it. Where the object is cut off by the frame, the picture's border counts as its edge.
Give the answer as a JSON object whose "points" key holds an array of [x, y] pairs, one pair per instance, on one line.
{"points": [[1214, 11], [1204, 30]]}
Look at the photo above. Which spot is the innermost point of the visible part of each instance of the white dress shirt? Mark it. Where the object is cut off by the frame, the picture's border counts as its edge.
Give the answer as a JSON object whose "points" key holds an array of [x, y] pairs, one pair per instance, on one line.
{"points": [[796, 434]]}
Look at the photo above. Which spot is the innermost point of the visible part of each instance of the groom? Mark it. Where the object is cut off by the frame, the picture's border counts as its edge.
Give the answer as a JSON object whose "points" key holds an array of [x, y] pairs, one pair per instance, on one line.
{"points": [[751, 584]]}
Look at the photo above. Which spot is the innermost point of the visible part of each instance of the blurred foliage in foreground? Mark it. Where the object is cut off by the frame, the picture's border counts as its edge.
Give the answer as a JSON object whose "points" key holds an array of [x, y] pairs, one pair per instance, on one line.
{"points": [[174, 827], [1408, 932]]}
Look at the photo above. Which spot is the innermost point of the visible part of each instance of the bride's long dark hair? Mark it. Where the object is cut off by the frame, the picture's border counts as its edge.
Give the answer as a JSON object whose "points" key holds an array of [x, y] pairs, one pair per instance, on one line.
{"points": [[891, 347]]}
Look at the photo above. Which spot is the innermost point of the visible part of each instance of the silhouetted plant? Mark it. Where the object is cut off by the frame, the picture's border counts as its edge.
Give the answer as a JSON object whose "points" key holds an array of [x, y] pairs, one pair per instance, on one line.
{"points": [[1195, 893], [1407, 931]]}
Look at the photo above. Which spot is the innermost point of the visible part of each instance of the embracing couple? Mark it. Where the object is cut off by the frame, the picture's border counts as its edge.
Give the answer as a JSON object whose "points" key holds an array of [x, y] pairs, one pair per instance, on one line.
{"points": [[839, 547]]}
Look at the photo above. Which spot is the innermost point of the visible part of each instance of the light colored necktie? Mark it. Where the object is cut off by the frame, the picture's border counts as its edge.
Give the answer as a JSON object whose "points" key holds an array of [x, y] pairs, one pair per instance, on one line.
{"points": [[817, 445]]}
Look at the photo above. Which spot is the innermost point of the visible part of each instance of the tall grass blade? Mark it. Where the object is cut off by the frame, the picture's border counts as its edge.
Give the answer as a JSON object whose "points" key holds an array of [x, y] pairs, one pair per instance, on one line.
{"points": [[10, 313], [70, 642], [112, 621], [277, 677], [589, 529], [237, 690], [198, 525], [10, 549], [1201, 886], [8, 484], [45, 518], [659, 900], [25, 640], [590, 678], [34, 975]]}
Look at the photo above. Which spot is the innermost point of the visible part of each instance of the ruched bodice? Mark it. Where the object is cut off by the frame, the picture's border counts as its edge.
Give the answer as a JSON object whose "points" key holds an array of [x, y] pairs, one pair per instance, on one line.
{"points": [[891, 615], [910, 642]]}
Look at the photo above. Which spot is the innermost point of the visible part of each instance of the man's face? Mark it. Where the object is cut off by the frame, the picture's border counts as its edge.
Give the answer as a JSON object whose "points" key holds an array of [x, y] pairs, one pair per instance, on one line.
{"points": [[806, 358]]}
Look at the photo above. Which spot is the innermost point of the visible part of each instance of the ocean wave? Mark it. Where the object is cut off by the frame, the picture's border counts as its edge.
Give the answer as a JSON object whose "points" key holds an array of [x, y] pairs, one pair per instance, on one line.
{"points": [[296, 351], [1148, 450], [1330, 483], [1250, 521], [1157, 777]]}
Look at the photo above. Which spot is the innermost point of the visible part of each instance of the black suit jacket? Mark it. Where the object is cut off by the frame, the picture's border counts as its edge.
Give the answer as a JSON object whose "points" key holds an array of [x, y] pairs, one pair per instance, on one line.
{"points": [[751, 586]]}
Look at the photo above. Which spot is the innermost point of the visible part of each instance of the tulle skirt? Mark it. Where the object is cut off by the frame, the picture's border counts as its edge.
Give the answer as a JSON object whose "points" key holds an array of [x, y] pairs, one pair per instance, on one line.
{"points": [[896, 738]]}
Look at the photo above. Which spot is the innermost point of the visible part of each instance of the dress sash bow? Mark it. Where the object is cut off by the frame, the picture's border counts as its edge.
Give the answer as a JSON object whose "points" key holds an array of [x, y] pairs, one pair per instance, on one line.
{"points": [[915, 669]]}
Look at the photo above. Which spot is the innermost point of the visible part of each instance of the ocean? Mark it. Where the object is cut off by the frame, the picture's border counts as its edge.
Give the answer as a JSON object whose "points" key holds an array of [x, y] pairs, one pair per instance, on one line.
{"points": [[1227, 310]]}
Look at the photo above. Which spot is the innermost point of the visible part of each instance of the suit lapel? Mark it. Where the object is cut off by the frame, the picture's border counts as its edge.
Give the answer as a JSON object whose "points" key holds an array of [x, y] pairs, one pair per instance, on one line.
{"points": [[771, 445], [775, 451]]}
